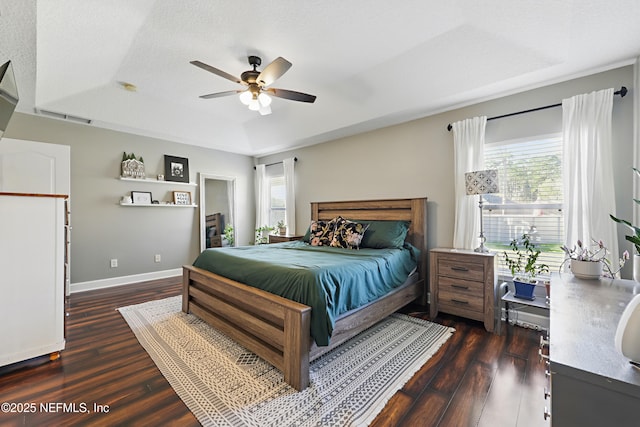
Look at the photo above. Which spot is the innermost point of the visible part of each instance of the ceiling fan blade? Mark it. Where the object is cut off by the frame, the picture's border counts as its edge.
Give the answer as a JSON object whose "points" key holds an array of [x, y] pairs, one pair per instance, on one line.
{"points": [[221, 94], [215, 71], [292, 95], [273, 71]]}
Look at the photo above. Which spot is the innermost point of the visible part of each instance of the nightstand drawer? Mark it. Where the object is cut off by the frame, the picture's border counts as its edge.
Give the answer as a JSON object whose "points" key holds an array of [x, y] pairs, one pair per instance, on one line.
{"points": [[461, 268], [461, 287], [461, 305]]}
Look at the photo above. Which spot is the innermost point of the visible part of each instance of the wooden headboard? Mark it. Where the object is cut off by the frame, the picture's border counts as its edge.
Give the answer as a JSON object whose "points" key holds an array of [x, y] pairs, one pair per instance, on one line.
{"points": [[413, 210]]}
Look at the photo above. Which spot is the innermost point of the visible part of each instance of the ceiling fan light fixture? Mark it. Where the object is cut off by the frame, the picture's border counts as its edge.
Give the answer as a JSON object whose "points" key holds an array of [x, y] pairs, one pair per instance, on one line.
{"points": [[265, 100], [264, 110], [254, 105], [246, 97]]}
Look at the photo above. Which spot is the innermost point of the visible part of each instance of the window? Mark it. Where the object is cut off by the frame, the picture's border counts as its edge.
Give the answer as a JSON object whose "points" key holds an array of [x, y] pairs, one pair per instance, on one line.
{"points": [[530, 198], [277, 197]]}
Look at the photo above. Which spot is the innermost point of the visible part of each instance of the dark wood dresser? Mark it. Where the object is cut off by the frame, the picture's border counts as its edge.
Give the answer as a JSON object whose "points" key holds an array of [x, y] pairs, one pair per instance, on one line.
{"points": [[591, 384]]}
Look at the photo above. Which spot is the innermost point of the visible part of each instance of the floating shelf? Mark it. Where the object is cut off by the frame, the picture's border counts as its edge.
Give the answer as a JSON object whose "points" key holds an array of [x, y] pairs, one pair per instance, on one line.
{"points": [[155, 181], [158, 205]]}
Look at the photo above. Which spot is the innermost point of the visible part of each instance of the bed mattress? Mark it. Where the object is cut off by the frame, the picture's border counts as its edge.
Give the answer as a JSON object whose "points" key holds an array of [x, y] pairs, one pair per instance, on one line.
{"points": [[330, 280]]}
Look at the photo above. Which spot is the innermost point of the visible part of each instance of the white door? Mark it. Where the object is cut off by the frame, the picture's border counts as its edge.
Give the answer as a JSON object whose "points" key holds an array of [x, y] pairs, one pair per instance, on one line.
{"points": [[34, 167], [38, 168]]}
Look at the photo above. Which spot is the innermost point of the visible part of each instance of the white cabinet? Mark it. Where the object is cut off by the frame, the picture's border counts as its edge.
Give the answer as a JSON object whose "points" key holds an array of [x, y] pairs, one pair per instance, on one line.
{"points": [[32, 276]]}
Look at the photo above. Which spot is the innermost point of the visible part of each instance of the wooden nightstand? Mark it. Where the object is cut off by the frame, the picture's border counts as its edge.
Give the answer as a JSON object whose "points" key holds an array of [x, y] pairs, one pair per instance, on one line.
{"points": [[462, 282], [278, 238]]}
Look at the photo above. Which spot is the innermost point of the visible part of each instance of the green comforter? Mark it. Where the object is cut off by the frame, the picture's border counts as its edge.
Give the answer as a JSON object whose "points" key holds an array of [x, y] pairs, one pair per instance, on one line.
{"points": [[329, 280]]}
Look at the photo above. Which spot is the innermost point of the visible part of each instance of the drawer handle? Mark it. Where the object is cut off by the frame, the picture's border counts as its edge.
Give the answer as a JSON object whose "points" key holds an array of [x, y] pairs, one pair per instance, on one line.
{"points": [[543, 342], [547, 413], [460, 287], [460, 302], [454, 268], [542, 355]]}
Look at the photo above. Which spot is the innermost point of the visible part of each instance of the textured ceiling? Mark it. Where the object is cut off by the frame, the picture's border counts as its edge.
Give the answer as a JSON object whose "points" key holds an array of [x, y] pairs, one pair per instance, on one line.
{"points": [[371, 63]]}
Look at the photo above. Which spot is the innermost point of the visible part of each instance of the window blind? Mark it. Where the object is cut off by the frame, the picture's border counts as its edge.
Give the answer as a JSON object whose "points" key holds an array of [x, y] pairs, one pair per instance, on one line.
{"points": [[530, 197]]}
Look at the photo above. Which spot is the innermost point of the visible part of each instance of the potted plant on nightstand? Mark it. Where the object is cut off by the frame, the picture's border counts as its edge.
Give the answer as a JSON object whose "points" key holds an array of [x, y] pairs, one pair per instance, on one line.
{"points": [[282, 228], [524, 266]]}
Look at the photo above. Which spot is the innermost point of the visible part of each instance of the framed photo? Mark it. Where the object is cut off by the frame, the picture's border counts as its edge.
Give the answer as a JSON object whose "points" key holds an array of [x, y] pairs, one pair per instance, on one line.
{"points": [[182, 197], [141, 197], [176, 169]]}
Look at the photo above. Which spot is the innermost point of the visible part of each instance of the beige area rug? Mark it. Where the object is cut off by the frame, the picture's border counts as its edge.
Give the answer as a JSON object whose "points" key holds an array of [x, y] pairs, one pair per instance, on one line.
{"points": [[223, 384]]}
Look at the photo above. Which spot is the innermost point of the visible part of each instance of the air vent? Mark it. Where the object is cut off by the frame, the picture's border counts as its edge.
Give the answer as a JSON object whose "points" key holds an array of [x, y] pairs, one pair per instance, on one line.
{"points": [[63, 116]]}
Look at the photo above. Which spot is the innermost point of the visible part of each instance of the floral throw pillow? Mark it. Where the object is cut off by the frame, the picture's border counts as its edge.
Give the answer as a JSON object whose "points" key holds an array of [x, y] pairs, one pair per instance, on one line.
{"points": [[321, 232], [348, 234]]}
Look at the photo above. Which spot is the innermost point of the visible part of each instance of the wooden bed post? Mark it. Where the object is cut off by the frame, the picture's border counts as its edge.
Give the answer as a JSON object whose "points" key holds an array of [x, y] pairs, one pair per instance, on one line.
{"points": [[185, 289], [296, 348], [419, 239]]}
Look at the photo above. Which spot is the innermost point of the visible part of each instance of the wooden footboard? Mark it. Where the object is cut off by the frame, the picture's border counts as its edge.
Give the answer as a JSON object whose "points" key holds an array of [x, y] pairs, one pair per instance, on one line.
{"points": [[274, 328]]}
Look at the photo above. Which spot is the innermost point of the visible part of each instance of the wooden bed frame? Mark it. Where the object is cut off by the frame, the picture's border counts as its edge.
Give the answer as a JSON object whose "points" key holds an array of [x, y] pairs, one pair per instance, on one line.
{"points": [[278, 329]]}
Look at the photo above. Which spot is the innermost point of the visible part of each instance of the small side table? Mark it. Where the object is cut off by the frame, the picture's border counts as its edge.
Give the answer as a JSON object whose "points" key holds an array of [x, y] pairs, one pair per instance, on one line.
{"points": [[462, 282], [279, 238], [508, 298]]}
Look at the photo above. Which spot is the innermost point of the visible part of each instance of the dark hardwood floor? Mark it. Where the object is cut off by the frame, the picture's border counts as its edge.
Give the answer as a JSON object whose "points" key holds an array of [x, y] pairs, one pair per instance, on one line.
{"points": [[476, 378]]}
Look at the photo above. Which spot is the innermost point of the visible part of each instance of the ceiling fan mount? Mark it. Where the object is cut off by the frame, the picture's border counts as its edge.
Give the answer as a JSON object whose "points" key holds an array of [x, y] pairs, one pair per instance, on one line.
{"points": [[256, 83], [254, 61]]}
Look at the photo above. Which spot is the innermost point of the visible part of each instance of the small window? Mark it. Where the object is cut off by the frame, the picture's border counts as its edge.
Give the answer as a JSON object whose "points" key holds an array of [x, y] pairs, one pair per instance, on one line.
{"points": [[277, 193]]}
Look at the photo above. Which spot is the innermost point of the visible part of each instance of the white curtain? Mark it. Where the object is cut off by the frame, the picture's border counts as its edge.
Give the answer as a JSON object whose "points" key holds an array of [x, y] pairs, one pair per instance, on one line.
{"points": [[262, 196], [468, 154], [588, 170], [290, 196]]}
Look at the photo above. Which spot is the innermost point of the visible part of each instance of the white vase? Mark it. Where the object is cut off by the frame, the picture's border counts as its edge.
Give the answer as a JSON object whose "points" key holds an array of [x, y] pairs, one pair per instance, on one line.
{"points": [[586, 269], [636, 267]]}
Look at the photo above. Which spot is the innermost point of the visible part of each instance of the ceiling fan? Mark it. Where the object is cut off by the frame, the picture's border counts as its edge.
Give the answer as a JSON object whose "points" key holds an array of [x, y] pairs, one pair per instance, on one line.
{"points": [[256, 95]]}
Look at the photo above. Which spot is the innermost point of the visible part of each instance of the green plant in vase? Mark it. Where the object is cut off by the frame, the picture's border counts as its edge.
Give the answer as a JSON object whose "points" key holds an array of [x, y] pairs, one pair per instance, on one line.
{"points": [[262, 234], [524, 266], [228, 234]]}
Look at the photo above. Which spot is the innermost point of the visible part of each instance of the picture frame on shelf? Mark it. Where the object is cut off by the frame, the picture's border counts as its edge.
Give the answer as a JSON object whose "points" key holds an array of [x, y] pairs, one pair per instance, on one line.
{"points": [[182, 197], [176, 169], [141, 197]]}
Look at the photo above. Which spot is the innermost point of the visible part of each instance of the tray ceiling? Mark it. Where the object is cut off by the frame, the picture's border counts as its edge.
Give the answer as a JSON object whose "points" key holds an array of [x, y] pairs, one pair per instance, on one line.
{"points": [[371, 63]]}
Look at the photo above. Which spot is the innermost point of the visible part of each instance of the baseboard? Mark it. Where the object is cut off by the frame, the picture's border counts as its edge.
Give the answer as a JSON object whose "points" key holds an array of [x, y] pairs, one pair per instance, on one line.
{"points": [[123, 280], [527, 320]]}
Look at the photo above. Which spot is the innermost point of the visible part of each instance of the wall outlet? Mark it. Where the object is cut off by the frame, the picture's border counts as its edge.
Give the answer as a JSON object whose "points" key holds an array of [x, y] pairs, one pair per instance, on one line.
{"points": [[114, 263], [157, 258]]}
